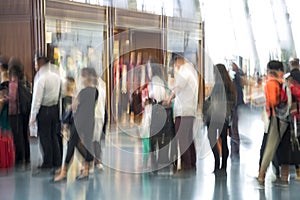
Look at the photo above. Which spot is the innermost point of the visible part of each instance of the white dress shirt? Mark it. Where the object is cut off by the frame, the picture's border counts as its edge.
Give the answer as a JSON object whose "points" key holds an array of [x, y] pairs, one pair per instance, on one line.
{"points": [[46, 89], [186, 91], [157, 89]]}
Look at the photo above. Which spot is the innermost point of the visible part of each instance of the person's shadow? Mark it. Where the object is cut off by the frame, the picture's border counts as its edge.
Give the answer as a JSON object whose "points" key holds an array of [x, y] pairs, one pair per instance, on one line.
{"points": [[220, 189]]}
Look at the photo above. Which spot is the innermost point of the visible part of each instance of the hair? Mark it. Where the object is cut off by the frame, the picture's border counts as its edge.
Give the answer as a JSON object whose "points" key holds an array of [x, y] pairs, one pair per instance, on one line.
{"points": [[41, 60], [156, 70], [294, 63], [4, 62], [235, 67], [222, 78], [15, 68], [275, 65], [90, 74], [70, 84]]}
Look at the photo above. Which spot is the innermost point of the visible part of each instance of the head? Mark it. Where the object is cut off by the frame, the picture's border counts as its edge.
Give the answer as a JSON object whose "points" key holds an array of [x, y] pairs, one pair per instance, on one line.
{"points": [[15, 69], [3, 63], [70, 85], [40, 62], [156, 70], [179, 60], [222, 78], [89, 77], [275, 68], [234, 66], [294, 63]]}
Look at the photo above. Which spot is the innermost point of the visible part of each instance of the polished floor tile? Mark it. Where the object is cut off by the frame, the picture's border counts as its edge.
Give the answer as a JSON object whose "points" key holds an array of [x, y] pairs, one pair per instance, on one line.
{"points": [[122, 177]]}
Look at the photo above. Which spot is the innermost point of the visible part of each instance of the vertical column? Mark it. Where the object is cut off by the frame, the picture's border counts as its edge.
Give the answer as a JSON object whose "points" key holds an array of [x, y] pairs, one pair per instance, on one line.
{"points": [[109, 59]]}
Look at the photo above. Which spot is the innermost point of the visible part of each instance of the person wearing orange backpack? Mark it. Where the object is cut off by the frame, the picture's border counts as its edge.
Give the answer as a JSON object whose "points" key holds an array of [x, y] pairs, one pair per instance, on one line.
{"points": [[277, 127]]}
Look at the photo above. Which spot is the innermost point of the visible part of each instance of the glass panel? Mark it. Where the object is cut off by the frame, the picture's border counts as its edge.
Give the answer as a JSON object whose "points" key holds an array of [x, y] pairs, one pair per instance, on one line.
{"points": [[73, 45]]}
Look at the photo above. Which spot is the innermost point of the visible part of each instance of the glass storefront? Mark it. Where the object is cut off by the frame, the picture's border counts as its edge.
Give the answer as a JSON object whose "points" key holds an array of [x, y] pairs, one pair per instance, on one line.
{"points": [[120, 44]]}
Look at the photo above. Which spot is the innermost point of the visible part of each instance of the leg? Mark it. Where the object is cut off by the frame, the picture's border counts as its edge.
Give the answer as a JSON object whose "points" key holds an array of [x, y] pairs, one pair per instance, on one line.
{"points": [[272, 143], [44, 128], [17, 129], [235, 137], [25, 122], [56, 150], [225, 151], [212, 137], [217, 157], [73, 141], [98, 152], [193, 155], [185, 138]]}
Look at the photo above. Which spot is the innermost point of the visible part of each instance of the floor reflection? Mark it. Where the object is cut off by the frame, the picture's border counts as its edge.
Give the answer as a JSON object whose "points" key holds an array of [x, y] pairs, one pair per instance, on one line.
{"points": [[121, 177]]}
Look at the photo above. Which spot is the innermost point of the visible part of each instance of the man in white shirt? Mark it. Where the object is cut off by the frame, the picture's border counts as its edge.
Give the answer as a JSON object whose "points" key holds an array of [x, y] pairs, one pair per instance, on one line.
{"points": [[45, 111], [185, 107]]}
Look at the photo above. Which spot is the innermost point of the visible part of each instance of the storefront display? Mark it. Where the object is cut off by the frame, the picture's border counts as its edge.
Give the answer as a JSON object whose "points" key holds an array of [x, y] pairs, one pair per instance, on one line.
{"points": [[120, 45]]}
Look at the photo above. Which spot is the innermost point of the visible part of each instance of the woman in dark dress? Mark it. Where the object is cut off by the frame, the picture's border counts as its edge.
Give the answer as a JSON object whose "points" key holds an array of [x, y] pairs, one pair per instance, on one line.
{"points": [[82, 125]]}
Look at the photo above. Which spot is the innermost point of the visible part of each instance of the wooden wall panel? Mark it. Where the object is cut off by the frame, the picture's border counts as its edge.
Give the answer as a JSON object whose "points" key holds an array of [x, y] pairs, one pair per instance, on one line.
{"points": [[15, 7], [15, 40]]}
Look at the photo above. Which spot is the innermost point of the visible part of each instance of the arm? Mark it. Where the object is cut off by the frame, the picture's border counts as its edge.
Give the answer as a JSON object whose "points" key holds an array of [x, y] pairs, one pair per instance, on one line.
{"points": [[272, 93], [38, 91]]}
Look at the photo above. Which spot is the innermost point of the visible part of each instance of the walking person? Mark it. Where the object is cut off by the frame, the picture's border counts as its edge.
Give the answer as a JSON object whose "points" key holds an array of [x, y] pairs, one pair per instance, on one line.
{"points": [[17, 117], [185, 92], [159, 118], [294, 79], [82, 125], [277, 127], [100, 125], [217, 111], [235, 136], [45, 111]]}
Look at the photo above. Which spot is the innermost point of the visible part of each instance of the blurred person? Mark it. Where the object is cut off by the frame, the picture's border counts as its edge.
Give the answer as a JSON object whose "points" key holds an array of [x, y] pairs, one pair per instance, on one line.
{"points": [[100, 121], [82, 125], [293, 76], [45, 111], [159, 118], [277, 127], [234, 129], [222, 93], [185, 92], [18, 120], [4, 121]]}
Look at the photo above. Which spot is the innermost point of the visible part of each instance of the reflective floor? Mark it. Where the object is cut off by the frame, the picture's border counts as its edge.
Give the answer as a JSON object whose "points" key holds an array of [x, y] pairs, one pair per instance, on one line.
{"points": [[121, 177]]}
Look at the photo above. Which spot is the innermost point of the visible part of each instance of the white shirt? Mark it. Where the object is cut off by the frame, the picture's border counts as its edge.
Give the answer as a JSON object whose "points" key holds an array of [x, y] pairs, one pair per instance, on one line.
{"points": [[46, 89], [157, 89], [186, 91], [100, 110]]}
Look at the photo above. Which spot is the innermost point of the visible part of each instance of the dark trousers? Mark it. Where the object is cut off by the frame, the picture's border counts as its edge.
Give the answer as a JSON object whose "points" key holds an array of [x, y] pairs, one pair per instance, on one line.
{"points": [[47, 120], [16, 124], [184, 135], [73, 142], [212, 137], [25, 120], [235, 136], [98, 151]]}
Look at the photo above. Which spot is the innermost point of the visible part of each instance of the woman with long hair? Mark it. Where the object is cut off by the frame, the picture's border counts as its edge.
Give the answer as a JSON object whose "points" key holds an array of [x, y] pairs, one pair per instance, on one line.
{"points": [[217, 112], [18, 120]]}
